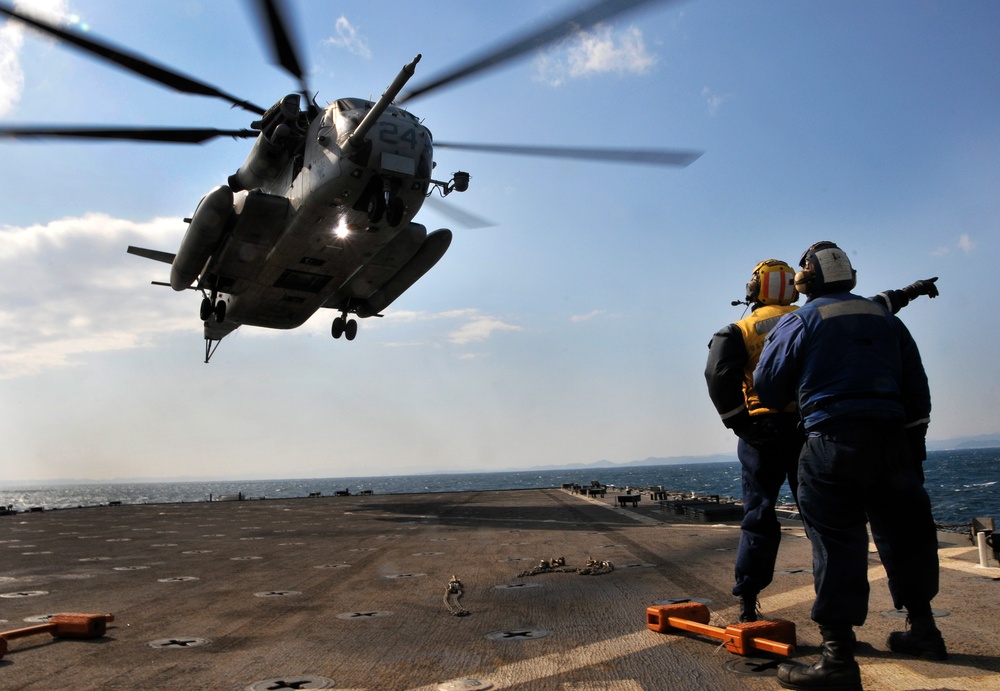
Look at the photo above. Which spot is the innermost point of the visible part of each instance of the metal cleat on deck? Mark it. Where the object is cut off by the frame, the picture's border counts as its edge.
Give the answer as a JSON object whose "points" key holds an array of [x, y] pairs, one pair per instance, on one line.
{"points": [[78, 626], [771, 636]]}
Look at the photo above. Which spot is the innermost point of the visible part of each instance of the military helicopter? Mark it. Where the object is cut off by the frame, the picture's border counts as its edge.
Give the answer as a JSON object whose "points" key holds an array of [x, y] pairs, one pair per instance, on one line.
{"points": [[321, 212]]}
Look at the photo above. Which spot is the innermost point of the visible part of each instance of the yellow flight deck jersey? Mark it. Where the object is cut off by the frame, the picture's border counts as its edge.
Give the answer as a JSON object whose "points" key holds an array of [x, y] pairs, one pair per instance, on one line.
{"points": [[754, 328]]}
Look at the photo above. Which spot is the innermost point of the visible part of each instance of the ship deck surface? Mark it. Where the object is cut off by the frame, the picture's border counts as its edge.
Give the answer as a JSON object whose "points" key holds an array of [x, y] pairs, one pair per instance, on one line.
{"points": [[349, 593]]}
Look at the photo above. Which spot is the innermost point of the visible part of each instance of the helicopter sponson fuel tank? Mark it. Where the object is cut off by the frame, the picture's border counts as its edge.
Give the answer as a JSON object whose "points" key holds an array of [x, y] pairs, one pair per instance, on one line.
{"points": [[208, 223], [427, 249]]}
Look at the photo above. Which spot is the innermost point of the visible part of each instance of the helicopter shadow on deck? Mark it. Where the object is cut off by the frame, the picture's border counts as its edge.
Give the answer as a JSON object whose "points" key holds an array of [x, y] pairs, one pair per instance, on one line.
{"points": [[554, 516]]}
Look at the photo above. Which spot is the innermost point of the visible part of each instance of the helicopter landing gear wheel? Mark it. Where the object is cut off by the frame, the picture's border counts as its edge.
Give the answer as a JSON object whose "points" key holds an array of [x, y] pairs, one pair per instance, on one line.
{"points": [[376, 208], [206, 309], [342, 326], [220, 311]]}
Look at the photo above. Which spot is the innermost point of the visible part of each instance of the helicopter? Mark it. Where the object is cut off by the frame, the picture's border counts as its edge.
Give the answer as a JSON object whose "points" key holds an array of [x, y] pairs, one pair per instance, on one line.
{"points": [[320, 215]]}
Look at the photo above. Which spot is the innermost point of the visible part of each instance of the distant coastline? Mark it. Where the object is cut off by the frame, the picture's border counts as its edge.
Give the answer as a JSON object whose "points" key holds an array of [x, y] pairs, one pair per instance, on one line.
{"points": [[982, 441]]}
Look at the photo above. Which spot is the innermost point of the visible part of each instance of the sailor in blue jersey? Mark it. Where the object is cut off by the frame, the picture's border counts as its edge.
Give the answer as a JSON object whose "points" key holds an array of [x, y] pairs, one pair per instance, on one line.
{"points": [[769, 440], [857, 377]]}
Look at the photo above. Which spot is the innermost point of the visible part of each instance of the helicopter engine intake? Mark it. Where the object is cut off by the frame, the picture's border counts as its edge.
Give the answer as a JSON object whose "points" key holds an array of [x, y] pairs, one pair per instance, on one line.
{"points": [[281, 136]]}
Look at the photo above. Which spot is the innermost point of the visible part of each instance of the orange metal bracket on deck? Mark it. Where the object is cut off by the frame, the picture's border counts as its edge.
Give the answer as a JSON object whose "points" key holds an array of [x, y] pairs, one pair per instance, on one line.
{"points": [[777, 636], [62, 626]]}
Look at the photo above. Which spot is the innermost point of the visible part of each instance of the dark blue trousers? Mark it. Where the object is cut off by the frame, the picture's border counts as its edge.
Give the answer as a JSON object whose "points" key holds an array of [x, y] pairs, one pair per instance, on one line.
{"points": [[765, 467], [856, 475]]}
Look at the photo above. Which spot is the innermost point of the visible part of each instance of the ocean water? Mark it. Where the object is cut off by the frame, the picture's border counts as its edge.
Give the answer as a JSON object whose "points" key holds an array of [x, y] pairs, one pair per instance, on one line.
{"points": [[962, 485]]}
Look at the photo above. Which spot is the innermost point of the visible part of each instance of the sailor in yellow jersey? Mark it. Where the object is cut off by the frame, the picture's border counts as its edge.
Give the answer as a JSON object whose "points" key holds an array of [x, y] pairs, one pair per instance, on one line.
{"points": [[769, 440]]}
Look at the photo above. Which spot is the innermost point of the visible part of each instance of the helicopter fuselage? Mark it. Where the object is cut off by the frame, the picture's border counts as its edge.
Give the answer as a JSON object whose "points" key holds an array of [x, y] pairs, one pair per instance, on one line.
{"points": [[332, 228]]}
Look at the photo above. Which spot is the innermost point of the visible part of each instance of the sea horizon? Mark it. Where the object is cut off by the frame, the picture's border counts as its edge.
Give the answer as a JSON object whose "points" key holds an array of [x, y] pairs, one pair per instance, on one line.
{"points": [[595, 466], [962, 485], [960, 444]]}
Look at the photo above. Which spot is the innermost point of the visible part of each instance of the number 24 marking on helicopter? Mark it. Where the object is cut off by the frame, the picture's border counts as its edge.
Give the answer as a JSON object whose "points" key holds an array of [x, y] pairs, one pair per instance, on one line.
{"points": [[320, 214]]}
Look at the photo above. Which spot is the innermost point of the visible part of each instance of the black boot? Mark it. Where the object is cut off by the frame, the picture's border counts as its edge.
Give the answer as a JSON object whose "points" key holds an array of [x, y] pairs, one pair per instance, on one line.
{"points": [[749, 608], [835, 671], [922, 640]]}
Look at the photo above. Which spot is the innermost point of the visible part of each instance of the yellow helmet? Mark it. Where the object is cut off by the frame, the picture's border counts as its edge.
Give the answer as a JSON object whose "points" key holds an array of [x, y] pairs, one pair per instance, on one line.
{"points": [[772, 283]]}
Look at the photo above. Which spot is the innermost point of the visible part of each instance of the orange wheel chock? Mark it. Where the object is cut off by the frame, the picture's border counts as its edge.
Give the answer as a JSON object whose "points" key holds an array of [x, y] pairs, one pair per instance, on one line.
{"points": [[771, 636], [62, 626]]}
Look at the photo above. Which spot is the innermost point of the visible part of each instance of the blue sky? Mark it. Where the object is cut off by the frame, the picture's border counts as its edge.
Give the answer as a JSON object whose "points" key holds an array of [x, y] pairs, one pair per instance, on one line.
{"points": [[572, 330]]}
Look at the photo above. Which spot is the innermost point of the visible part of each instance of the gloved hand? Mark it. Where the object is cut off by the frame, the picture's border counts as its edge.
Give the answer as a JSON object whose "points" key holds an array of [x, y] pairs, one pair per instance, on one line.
{"points": [[924, 287]]}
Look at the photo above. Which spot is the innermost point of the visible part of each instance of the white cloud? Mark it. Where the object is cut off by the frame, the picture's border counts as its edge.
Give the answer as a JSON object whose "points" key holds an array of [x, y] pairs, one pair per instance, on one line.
{"points": [[11, 74], [52, 11], [714, 100], [479, 329], [349, 39], [11, 43], [577, 318], [29, 242], [414, 316], [965, 243], [600, 51], [474, 327], [70, 289]]}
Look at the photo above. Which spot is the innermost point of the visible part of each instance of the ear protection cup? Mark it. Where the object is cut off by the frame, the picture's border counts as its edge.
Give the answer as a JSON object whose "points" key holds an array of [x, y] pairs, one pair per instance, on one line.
{"points": [[804, 279]]}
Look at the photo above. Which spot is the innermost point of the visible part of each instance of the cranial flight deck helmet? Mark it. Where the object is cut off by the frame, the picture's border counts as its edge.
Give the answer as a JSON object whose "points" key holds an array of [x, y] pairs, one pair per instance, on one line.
{"points": [[825, 269], [772, 284]]}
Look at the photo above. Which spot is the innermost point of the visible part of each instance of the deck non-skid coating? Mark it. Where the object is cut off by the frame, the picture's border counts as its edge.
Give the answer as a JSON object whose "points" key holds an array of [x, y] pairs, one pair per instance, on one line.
{"points": [[351, 591]]}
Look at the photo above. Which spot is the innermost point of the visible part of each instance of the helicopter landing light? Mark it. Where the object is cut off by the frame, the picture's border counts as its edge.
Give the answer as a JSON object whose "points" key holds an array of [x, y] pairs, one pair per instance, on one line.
{"points": [[395, 163], [342, 231]]}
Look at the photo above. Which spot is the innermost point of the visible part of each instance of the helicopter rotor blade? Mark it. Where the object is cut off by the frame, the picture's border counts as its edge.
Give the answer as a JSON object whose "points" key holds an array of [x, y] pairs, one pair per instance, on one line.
{"points": [[131, 62], [466, 219], [171, 135], [656, 157], [271, 18], [574, 22]]}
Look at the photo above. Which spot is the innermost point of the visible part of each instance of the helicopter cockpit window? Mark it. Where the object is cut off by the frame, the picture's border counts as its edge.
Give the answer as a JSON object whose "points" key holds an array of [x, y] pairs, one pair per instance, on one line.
{"points": [[346, 104]]}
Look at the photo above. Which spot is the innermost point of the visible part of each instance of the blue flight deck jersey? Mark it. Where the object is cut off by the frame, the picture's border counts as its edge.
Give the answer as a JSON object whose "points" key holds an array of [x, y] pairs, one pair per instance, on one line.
{"points": [[842, 357]]}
